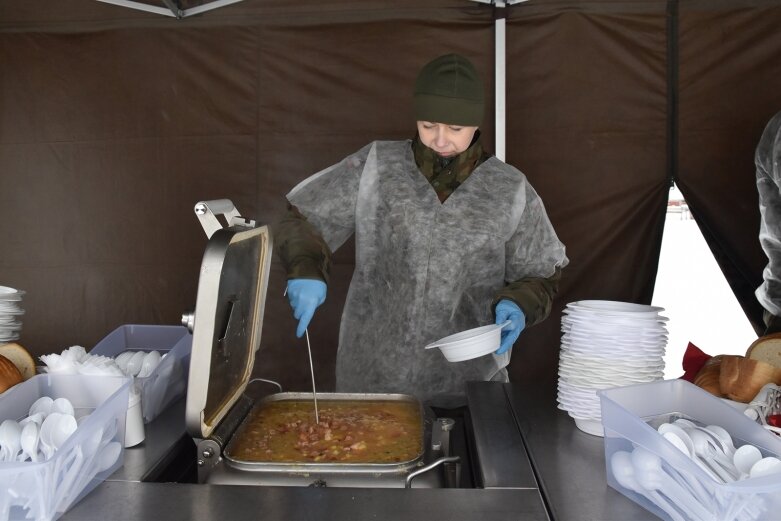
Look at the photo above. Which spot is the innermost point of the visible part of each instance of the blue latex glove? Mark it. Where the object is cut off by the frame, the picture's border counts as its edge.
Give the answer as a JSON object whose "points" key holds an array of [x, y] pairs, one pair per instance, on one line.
{"points": [[509, 310], [304, 296]]}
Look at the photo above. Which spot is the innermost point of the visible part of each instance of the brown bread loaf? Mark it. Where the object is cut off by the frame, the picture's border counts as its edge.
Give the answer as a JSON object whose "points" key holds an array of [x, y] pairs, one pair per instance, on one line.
{"points": [[9, 374], [708, 376], [766, 349], [20, 357], [741, 378]]}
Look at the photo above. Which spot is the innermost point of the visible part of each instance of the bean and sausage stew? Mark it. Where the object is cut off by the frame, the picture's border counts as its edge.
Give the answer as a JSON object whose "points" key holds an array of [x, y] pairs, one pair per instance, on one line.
{"points": [[350, 431]]}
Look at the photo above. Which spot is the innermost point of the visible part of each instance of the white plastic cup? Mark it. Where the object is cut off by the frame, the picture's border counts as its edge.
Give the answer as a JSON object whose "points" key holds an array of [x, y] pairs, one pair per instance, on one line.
{"points": [[134, 422]]}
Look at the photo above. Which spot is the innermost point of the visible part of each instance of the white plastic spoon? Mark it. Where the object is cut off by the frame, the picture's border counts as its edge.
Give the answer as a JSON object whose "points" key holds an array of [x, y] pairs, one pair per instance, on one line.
{"points": [[689, 425], [47, 434], [42, 405], [652, 477], [62, 405], [25, 492], [149, 364], [108, 456], [765, 467], [134, 364], [36, 418], [724, 438], [29, 441], [745, 457], [66, 425], [706, 449], [90, 450], [122, 360], [10, 440], [624, 472], [71, 467], [681, 441], [677, 432]]}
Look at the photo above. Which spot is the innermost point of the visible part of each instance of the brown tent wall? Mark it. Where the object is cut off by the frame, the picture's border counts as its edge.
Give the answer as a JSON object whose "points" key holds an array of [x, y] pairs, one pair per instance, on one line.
{"points": [[114, 122], [729, 85], [587, 110]]}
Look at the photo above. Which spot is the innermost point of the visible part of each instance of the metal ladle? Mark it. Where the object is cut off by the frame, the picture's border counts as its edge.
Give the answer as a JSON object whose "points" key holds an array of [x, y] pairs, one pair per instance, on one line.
{"points": [[312, 372]]}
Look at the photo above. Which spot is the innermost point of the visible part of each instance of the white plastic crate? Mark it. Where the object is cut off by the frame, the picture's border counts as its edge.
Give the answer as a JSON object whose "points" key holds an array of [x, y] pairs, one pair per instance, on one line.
{"points": [[630, 416], [169, 379], [45, 490]]}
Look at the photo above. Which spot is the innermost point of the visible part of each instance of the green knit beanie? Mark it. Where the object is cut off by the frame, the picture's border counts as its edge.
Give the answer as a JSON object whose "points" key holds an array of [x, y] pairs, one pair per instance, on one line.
{"points": [[449, 90]]}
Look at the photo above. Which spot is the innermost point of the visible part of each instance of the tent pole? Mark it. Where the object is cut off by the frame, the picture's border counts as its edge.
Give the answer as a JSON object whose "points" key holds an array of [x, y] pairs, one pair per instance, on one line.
{"points": [[500, 64]]}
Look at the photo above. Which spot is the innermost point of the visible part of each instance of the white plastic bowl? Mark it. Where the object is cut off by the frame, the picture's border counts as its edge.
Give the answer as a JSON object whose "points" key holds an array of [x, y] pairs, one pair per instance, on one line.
{"points": [[470, 343]]}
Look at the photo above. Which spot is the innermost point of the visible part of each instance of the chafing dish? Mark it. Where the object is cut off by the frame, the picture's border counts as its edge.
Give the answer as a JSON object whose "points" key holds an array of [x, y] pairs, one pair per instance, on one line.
{"points": [[226, 327]]}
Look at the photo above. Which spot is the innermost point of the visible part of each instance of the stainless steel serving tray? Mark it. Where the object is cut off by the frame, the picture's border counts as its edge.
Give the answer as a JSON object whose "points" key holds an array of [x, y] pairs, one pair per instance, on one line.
{"points": [[326, 468]]}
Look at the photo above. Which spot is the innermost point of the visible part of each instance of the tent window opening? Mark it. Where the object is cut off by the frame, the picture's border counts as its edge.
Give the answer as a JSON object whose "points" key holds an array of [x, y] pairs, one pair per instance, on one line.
{"points": [[694, 293]]}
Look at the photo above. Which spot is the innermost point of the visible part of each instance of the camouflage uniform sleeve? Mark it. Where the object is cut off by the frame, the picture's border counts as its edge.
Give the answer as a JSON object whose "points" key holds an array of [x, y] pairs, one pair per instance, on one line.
{"points": [[533, 295], [301, 248], [533, 261]]}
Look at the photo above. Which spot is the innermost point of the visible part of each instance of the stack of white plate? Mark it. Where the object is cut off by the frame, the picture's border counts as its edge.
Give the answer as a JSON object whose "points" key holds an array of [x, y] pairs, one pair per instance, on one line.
{"points": [[606, 344], [10, 314]]}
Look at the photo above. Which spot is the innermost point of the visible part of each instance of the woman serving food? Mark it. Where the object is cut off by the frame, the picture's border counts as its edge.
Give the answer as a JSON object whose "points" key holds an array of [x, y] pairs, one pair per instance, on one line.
{"points": [[448, 237]]}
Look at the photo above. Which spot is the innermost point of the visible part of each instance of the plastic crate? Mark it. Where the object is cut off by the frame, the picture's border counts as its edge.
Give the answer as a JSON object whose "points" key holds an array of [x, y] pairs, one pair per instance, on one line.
{"points": [[168, 381], [45, 490], [630, 416]]}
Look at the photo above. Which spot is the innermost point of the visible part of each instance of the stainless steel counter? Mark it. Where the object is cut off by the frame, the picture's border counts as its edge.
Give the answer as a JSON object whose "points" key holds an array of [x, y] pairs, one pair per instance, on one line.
{"points": [[157, 449], [523, 446], [569, 464], [119, 501]]}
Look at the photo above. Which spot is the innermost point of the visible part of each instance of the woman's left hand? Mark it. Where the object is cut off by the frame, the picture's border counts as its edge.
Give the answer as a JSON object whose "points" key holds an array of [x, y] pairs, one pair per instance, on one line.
{"points": [[509, 310]]}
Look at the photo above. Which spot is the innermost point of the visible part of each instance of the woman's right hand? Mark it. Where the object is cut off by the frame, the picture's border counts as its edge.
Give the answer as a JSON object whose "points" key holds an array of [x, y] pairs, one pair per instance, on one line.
{"points": [[305, 295]]}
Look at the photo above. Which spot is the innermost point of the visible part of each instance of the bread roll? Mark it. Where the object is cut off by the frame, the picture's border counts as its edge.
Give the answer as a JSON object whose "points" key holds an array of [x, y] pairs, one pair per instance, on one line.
{"points": [[20, 357], [741, 378], [9, 374], [708, 376], [766, 349]]}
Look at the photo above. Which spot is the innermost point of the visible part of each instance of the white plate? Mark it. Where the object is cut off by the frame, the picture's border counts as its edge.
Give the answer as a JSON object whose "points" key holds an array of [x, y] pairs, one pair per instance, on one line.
{"points": [[608, 370], [608, 360], [592, 328], [652, 361], [579, 410], [573, 390], [15, 326], [7, 293], [615, 306], [589, 426], [592, 379], [622, 353], [585, 377], [634, 346], [607, 383], [576, 404], [571, 309], [615, 320], [612, 343], [576, 398]]}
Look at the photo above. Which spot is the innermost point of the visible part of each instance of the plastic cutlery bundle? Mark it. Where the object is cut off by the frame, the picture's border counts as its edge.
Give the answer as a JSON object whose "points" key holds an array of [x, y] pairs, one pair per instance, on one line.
{"points": [[76, 360], [37, 436]]}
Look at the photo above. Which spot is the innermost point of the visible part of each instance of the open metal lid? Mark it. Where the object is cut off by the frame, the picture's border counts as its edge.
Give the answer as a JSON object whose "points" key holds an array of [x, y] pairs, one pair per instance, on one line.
{"points": [[228, 316]]}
